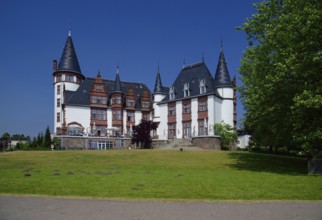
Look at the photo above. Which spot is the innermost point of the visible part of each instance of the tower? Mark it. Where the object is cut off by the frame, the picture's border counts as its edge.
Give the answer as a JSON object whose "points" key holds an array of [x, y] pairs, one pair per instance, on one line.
{"points": [[117, 104], [67, 77], [225, 89], [158, 95]]}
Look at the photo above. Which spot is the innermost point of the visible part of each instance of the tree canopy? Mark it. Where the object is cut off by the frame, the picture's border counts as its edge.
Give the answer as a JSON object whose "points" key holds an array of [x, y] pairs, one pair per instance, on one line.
{"points": [[226, 133], [142, 133], [281, 74]]}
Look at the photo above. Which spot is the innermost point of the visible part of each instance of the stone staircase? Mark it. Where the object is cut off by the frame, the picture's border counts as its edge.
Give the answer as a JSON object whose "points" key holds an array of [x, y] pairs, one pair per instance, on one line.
{"points": [[176, 144]]}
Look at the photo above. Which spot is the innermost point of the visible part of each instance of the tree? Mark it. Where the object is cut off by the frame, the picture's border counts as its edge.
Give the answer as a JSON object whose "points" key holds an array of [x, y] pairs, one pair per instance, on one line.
{"points": [[6, 135], [226, 133], [281, 74], [47, 138], [142, 133]]}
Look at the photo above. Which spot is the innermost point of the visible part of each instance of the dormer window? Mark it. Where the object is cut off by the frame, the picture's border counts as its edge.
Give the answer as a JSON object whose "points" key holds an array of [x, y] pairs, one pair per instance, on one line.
{"points": [[172, 95], [202, 86], [99, 87], [186, 91]]}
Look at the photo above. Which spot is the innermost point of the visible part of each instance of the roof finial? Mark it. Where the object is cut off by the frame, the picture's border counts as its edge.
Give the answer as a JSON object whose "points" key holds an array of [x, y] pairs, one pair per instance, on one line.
{"points": [[221, 44], [99, 73], [203, 57], [184, 63], [117, 68], [158, 67], [69, 28]]}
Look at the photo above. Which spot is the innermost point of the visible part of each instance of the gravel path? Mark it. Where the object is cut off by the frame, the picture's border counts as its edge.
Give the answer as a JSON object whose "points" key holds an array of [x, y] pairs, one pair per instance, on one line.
{"points": [[24, 207]]}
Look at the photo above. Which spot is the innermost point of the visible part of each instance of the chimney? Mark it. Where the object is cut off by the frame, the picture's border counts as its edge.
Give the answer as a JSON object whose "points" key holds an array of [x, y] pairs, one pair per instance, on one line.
{"points": [[55, 65]]}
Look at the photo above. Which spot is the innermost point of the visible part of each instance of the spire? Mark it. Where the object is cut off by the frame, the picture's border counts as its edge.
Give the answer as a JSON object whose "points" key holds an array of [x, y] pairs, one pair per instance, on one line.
{"points": [[68, 60], [158, 83], [117, 83], [222, 77]]}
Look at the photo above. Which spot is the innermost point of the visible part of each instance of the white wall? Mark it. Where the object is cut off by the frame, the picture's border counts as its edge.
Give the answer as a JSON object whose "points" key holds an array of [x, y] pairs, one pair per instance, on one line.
{"points": [[228, 112], [109, 118], [218, 108], [81, 115], [194, 116], [211, 114], [243, 141], [179, 119], [226, 92], [162, 130], [138, 117]]}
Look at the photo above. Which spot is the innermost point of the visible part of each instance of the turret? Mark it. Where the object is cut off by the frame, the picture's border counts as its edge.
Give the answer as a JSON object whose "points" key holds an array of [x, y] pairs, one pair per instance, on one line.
{"points": [[117, 104], [67, 76], [225, 89]]}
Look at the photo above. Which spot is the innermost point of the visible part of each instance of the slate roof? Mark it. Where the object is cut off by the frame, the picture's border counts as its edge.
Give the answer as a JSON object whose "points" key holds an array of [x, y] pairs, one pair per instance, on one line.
{"points": [[158, 88], [68, 60], [222, 77], [81, 97], [192, 74]]}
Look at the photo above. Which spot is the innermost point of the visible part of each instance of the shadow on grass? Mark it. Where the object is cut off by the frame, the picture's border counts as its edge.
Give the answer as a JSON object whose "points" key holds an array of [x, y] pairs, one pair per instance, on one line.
{"points": [[268, 163]]}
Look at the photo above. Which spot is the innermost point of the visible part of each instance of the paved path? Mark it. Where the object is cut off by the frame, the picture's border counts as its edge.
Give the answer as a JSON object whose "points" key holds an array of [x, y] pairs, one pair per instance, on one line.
{"points": [[47, 208]]}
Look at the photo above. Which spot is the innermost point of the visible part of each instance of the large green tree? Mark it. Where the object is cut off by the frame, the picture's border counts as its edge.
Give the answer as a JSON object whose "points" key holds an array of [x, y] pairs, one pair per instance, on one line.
{"points": [[281, 74], [228, 136]]}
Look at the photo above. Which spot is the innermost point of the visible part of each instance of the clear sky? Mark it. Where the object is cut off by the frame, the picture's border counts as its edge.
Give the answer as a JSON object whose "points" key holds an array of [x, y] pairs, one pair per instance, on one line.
{"points": [[138, 35]]}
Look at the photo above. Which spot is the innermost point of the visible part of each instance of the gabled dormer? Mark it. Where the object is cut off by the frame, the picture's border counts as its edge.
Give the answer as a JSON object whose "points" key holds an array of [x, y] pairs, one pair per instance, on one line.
{"points": [[186, 90], [145, 100], [172, 93], [203, 86], [98, 93], [130, 99]]}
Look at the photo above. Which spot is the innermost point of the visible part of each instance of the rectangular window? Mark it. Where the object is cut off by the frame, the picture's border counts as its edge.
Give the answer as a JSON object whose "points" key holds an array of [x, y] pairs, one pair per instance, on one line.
{"points": [[146, 117], [58, 90], [99, 100], [172, 130], [69, 78], [99, 87], [186, 108], [117, 100], [202, 89], [187, 129], [172, 111], [130, 103], [58, 117], [58, 78], [145, 104], [202, 127], [130, 116], [98, 114], [202, 106], [117, 115], [58, 103]]}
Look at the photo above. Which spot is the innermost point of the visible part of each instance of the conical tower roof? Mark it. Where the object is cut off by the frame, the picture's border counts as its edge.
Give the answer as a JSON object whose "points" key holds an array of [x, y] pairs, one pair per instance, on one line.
{"points": [[158, 83], [117, 83], [68, 60], [222, 77]]}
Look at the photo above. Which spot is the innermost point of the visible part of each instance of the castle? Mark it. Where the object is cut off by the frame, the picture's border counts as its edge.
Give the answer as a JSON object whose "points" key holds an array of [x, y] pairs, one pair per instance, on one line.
{"points": [[99, 109]]}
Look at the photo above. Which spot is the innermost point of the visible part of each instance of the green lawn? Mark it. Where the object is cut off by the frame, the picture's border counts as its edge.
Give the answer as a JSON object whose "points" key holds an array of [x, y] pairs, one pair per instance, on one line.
{"points": [[200, 175]]}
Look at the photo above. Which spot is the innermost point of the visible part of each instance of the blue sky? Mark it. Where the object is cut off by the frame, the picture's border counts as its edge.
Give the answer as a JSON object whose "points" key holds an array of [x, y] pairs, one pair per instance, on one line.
{"points": [[137, 35]]}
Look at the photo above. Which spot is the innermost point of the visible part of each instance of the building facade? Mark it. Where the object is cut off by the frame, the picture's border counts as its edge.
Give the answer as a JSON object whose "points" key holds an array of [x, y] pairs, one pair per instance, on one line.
{"points": [[103, 108]]}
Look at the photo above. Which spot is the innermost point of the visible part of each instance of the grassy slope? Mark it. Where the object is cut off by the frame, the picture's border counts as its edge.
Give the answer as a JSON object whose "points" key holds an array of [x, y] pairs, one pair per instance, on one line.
{"points": [[158, 174]]}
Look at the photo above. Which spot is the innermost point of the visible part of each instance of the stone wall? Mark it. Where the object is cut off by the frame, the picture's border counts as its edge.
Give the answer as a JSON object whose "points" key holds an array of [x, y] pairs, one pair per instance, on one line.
{"points": [[158, 143], [207, 142], [83, 143]]}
